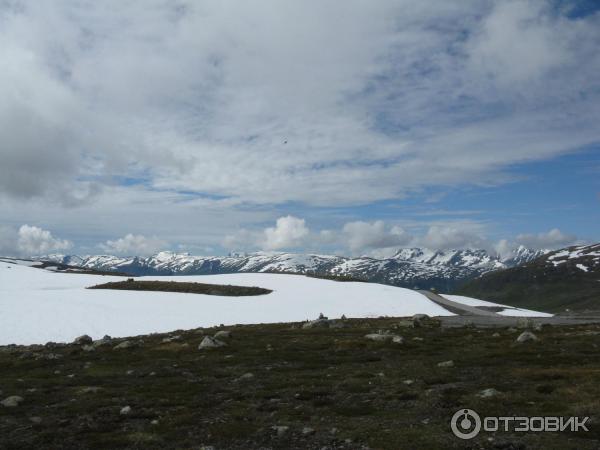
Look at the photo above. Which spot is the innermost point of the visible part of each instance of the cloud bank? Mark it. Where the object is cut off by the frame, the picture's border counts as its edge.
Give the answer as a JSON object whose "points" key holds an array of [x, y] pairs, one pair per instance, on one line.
{"points": [[269, 102]]}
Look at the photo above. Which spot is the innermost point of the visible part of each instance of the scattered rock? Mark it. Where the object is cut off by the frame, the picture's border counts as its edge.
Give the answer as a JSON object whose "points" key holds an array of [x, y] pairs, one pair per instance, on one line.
{"points": [[246, 377], [35, 419], [125, 410], [89, 390], [526, 336], [88, 348], [418, 319], [397, 339], [409, 382], [171, 339], [308, 430], [538, 326], [381, 337], [487, 393], [123, 345], [319, 323], [12, 401], [209, 342], [83, 340], [223, 334], [406, 323], [154, 422], [280, 429], [496, 335], [446, 364]]}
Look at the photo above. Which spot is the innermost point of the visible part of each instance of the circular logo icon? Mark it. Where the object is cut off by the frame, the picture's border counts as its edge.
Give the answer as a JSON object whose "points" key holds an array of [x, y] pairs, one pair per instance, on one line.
{"points": [[465, 424]]}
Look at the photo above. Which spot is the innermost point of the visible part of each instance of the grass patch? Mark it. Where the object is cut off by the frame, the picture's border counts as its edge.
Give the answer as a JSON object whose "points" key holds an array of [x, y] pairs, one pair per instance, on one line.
{"points": [[184, 287]]}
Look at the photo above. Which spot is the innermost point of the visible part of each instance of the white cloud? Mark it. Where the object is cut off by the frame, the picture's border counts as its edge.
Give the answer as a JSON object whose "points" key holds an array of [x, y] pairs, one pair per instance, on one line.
{"points": [[201, 96], [453, 237], [134, 245], [33, 240], [551, 239], [289, 232], [521, 41], [363, 236]]}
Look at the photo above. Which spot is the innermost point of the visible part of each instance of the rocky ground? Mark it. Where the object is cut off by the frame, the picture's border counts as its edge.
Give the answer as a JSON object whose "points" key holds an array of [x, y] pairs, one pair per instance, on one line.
{"points": [[346, 384]]}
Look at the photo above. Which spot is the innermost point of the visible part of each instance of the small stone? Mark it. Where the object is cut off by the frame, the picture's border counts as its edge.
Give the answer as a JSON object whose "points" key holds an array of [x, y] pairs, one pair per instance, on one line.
{"points": [[125, 410], [89, 390], [246, 376], [526, 336], [381, 337], [280, 429], [319, 323], [123, 345], [35, 419], [333, 431], [154, 422], [487, 393], [408, 382], [12, 401], [83, 340], [496, 335], [308, 430], [446, 364], [130, 372], [209, 342]]}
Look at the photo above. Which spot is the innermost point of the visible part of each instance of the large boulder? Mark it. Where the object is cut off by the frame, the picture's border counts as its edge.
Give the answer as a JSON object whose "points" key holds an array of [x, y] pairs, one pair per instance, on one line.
{"points": [[12, 401], [83, 340], [526, 336], [209, 342]]}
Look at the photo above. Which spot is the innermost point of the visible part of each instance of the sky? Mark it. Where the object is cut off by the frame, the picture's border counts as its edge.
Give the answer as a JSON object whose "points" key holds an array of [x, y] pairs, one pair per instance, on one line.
{"points": [[310, 126]]}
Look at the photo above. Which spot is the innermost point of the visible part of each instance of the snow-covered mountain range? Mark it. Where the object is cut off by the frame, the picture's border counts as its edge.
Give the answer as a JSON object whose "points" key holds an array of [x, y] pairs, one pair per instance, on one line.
{"points": [[409, 267]]}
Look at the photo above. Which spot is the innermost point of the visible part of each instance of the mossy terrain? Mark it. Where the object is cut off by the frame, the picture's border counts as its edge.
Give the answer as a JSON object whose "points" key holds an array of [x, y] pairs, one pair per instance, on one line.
{"points": [[184, 287], [332, 387]]}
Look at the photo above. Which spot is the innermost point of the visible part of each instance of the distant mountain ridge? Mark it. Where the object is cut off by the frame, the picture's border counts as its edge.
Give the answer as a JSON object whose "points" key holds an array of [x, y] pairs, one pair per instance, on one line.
{"points": [[566, 279], [409, 267]]}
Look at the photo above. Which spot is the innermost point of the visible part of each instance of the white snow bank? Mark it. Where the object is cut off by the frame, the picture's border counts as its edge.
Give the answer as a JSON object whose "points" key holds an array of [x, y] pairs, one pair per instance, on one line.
{"points": [[37, 306], [509, 311]]}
